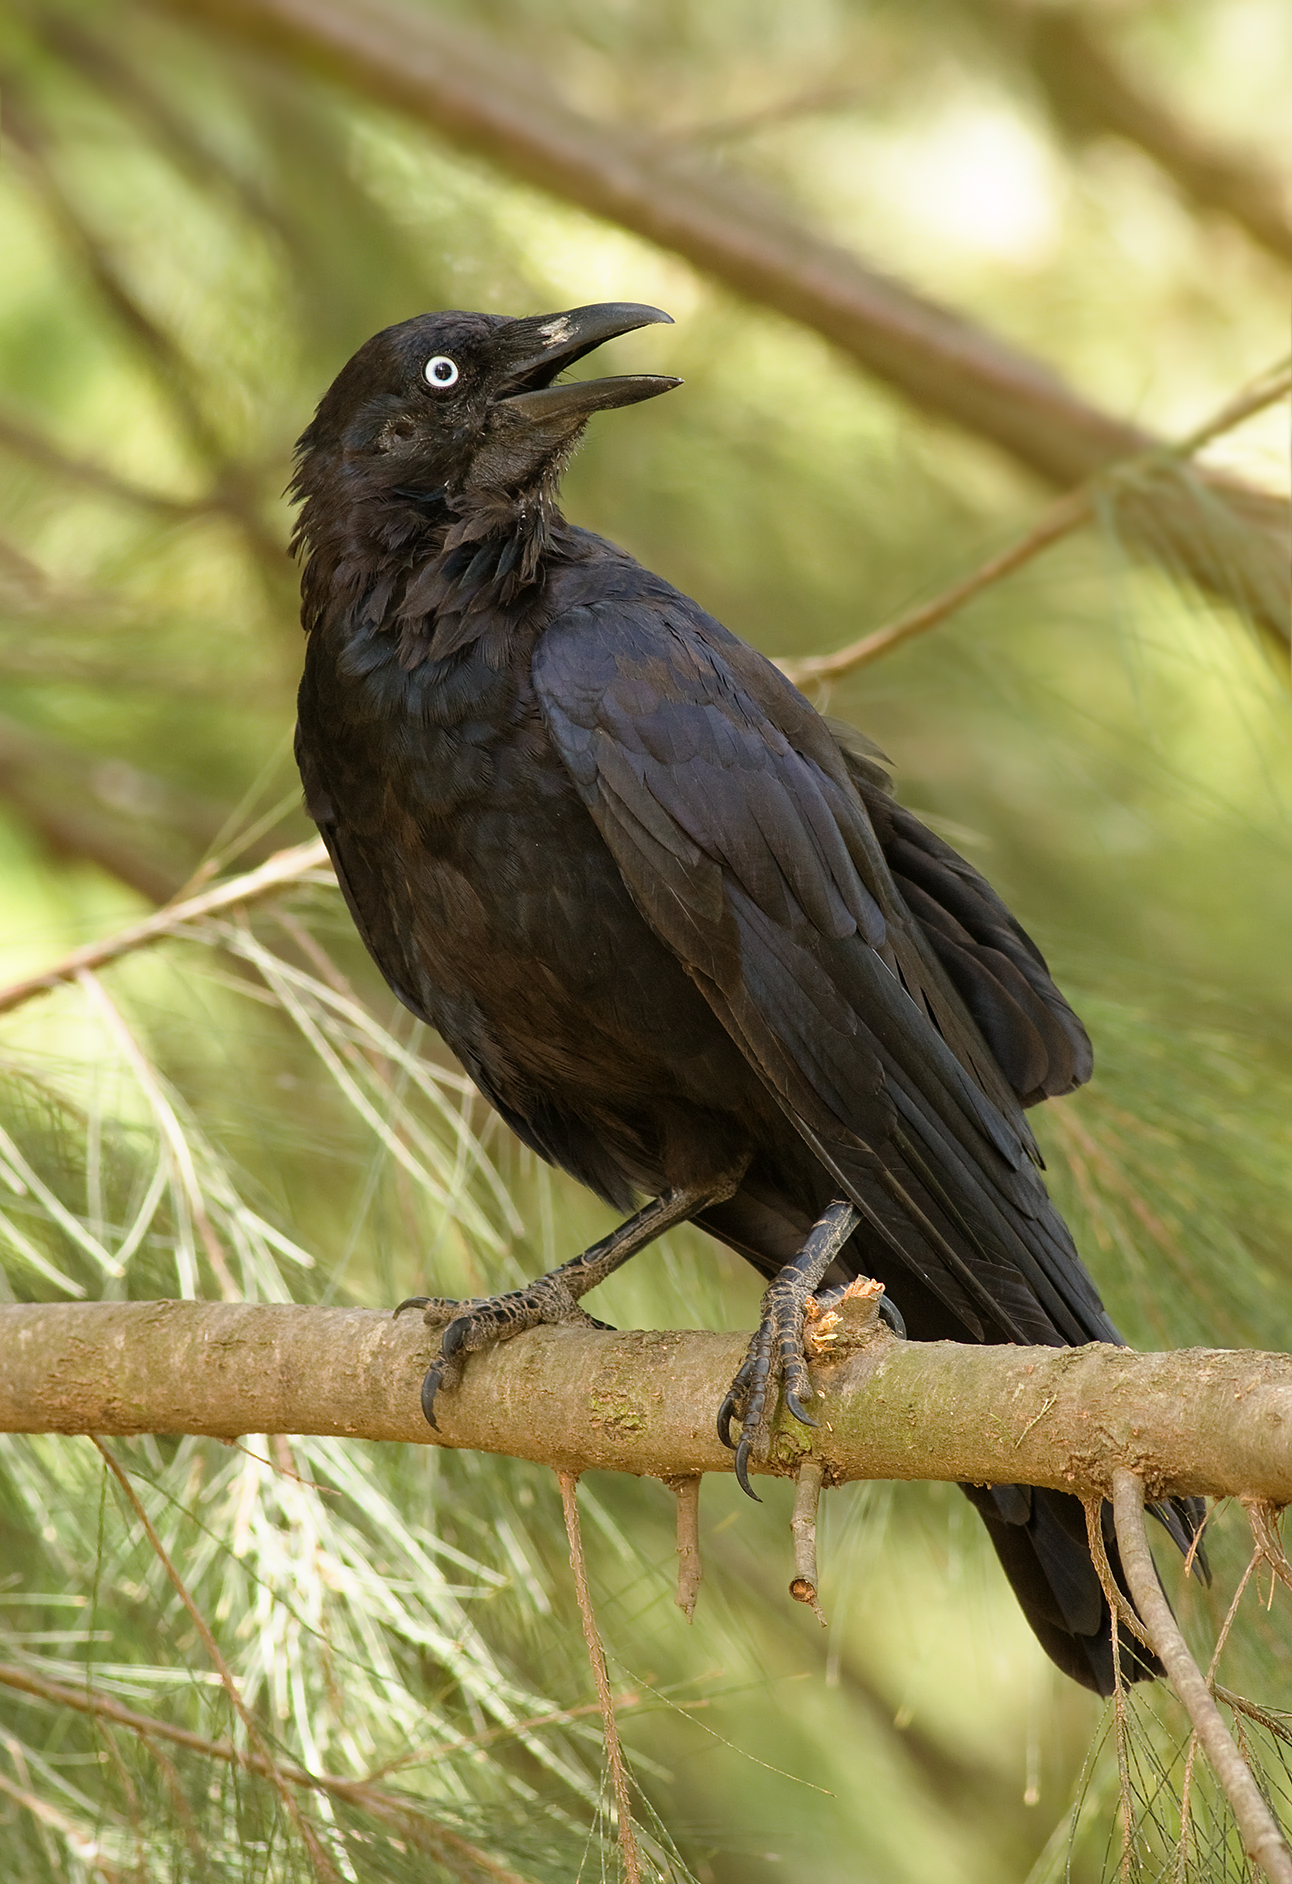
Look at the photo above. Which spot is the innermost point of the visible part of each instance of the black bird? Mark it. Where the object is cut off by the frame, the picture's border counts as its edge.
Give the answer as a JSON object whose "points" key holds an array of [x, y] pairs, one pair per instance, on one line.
{"points": [[673, 923]]}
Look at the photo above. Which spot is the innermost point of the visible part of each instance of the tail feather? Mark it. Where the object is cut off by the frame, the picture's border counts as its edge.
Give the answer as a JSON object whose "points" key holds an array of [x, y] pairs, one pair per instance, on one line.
{"points": [[1041, 1540]]}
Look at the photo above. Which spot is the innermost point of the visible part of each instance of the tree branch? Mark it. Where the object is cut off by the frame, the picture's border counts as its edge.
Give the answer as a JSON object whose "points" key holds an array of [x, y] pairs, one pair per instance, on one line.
{"points": [[486, 100], [1205, 1420], [1065, 515], [284, 868], [1262, 1840], [1091, 94]]}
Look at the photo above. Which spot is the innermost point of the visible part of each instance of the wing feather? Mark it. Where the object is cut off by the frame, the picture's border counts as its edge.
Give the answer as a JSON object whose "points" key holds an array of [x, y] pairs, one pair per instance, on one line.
{"points": [[746, 845]]}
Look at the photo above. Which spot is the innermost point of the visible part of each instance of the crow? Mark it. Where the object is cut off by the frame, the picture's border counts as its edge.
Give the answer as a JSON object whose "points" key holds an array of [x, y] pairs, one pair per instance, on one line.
{"points": [[674, 924]]}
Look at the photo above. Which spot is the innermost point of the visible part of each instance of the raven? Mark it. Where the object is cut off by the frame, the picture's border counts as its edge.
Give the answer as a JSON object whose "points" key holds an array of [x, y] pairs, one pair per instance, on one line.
{"points": [[673, 923]]}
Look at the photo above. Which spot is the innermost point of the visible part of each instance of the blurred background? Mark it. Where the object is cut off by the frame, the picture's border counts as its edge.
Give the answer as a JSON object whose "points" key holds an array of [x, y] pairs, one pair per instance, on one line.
{"points": [[204, 210]]}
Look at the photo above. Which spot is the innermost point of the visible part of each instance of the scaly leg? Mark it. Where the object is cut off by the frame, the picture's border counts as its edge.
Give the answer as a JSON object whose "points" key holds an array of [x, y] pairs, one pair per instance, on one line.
{"points": [[553, 1298], [752, 1395]]}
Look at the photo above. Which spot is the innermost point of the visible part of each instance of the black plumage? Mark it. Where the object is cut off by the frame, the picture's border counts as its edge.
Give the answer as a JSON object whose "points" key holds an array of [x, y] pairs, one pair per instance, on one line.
{"points": [[673, 923]]}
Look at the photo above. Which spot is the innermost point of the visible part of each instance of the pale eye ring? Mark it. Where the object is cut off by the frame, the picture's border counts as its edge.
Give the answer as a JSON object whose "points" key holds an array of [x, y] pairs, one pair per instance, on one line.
{"points": [[440, 372]]}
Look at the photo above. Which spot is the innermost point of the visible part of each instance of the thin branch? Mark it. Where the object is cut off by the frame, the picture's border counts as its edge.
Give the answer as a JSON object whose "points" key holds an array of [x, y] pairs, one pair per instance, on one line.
{"points": [[690, 1564], [813, 101], [1205, 1421], [309, 1837], [597, 1657], [449, 1846], [157, 349], [1191, 1752], [1060, 520], [25, 442], [283, 869], [1262, 1839], [807, 1496], [480, 96]]}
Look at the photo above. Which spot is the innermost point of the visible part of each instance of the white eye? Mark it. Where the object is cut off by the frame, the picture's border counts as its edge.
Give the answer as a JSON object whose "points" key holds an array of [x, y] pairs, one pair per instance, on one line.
{"points": [[440, 372]]}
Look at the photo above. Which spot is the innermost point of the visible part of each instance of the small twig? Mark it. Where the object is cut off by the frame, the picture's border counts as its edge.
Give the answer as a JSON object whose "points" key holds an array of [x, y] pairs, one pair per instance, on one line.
{"points": [[807, 1495], [1062, 517], [1113, 1593], [1066, 514], [690, 1567], [286, 867], [309, 1837], [569, 1482], [1262, 1839], [1191, 1754]]}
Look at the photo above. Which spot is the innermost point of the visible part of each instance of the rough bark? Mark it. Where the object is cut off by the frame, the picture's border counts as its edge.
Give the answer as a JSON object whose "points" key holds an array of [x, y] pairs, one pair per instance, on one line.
{"points": [[1209, 1421]]}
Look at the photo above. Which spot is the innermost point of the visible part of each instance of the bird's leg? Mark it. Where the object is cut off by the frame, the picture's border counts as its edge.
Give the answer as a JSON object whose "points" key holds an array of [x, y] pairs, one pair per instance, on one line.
{"points": [[775, 1355], [553, 1298]]}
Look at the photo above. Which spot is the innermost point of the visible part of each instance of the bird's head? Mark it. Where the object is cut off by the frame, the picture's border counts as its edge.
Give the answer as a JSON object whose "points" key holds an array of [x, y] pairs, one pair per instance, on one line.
{"points": [[469, 404]]}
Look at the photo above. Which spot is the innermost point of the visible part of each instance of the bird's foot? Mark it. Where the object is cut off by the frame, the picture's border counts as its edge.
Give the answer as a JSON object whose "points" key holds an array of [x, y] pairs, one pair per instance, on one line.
{"points": [[481, 1321], [773, 1360], [554, 1298], [775, 1357]]}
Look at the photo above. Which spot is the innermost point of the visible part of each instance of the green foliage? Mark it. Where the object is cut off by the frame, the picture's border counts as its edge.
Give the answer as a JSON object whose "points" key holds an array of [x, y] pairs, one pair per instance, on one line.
{"points": [[195, 239]]}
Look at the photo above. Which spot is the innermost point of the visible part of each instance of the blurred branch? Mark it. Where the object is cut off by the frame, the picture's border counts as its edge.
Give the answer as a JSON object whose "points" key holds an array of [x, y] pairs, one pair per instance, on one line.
{"points": [[21, 439], [483, 98], [25, 580], [1060, 520], [410, 1815], [815, 101], [56, 799], [124, 85], [103, 811], [1092, 94], [166, 361], [1204, 1420], [286, 867]]}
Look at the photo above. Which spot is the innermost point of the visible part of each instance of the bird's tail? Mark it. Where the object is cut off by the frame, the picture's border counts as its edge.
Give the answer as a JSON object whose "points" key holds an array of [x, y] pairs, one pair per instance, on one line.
{"points": [[1041, 1539]]}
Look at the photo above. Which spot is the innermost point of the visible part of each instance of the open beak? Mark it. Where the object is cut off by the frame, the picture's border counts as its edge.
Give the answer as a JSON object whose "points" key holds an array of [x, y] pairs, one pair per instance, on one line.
{"points": [[533, 351]]}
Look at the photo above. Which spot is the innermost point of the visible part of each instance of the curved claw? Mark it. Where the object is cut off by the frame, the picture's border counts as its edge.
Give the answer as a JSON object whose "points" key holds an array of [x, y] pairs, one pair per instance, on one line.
{"points": [[892, 1314], [412, 1301], [430, 1387], [726, 1413], [804, 1419], [742, 1471]]}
